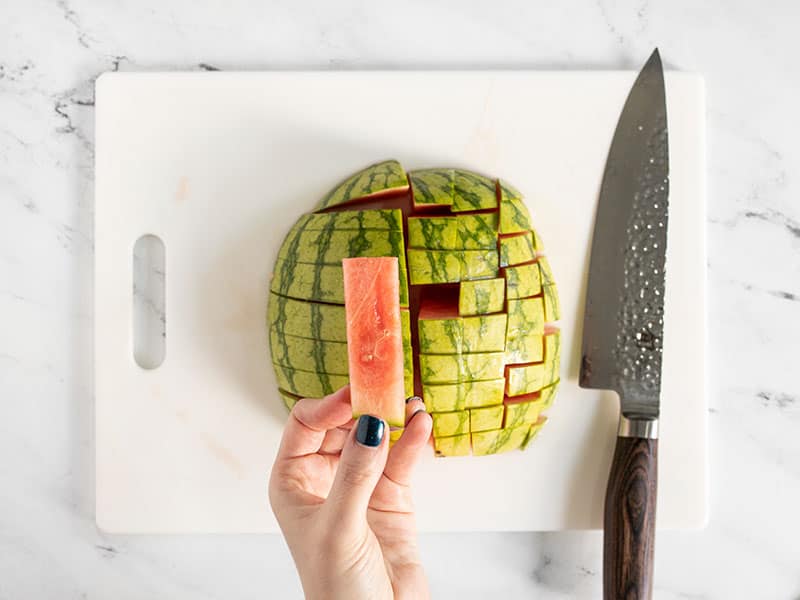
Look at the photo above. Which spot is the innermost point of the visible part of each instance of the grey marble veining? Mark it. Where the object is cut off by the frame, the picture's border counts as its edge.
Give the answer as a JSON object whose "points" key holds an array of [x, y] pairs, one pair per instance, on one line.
{"points": [[51, 53]]}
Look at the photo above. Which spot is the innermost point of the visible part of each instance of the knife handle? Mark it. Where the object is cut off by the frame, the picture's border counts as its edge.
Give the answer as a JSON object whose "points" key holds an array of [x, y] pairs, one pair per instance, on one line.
{"points": [[630, 518]]}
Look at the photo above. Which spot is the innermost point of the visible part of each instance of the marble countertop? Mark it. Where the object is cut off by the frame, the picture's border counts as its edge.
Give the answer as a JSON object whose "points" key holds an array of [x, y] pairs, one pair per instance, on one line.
{"points": [[52, 51]]}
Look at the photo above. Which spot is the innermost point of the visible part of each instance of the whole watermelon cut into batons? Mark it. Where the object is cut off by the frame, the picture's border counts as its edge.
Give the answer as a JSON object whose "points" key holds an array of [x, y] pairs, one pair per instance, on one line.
{"points": [[477, 297]]}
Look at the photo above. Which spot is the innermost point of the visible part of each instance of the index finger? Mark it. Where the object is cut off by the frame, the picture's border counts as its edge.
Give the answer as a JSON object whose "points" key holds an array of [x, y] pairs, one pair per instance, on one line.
{"points": [[311, 419]]}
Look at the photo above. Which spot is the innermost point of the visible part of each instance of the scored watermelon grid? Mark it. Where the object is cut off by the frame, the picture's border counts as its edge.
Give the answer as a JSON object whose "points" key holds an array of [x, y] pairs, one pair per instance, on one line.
{"points": [[508, 215]]}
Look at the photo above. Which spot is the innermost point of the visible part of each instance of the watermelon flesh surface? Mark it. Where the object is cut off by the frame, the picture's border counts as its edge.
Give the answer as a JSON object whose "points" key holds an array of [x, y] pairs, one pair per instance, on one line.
{"points": [[374, 338]]}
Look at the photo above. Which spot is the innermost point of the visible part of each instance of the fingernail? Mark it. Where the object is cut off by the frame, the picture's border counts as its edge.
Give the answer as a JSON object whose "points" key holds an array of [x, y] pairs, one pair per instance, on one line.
{"points": [[415, 413], [412, 398], [369, 431]]}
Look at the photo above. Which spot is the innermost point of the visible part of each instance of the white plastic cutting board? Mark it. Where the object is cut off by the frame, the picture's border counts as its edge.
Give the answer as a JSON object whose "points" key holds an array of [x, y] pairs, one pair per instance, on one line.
{"points": [[220, 165]]}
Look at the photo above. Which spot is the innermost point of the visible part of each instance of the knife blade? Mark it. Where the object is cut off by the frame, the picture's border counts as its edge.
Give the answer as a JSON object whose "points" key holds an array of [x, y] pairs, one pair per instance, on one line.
{"points": [[623, 325]]}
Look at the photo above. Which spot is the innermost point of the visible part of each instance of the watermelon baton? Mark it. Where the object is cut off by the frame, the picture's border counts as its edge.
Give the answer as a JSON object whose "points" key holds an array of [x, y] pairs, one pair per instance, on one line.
{"points": [[374, 338]]}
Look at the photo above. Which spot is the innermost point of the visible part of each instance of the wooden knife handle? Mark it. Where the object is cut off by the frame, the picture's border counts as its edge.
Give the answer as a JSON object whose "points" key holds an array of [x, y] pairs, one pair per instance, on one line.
{"points": [[630, 520]]}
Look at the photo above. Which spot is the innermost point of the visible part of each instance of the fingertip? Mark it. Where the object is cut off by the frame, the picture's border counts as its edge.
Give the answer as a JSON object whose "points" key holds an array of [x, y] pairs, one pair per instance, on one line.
{"points": [[417, 431], [341, 395], [370, 431], [419, 425], [417, 416], [331, 411], [408, 449], [413, 406]]}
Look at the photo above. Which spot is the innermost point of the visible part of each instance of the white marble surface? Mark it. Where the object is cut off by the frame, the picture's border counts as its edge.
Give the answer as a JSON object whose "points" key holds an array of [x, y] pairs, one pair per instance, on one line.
{"points": [[50, 53]]}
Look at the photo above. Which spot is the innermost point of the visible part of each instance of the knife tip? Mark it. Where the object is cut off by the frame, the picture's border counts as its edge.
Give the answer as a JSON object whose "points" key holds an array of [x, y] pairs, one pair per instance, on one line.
{"points": [[655, 58]]}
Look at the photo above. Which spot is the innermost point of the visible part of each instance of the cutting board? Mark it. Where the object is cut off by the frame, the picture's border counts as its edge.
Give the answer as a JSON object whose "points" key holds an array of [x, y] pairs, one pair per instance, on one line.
{"points": [[220, 165]]}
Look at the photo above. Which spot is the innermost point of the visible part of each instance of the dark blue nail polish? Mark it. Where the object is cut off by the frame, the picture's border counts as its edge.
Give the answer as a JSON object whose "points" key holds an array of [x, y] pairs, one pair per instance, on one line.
{"points": [[369, 431], [412, 398]]}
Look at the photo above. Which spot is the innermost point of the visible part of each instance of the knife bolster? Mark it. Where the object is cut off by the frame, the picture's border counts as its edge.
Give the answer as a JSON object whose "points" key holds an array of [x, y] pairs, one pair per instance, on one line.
{"points": [[638, 427]]}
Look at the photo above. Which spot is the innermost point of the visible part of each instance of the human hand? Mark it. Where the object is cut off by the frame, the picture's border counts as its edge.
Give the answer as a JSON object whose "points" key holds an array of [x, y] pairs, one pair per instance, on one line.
{"points": [[343, 500]]}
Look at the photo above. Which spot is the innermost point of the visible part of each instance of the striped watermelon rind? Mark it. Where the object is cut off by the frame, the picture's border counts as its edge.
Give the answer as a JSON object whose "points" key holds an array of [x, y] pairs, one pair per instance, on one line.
{"points": [[488, 366], [381, 178]]}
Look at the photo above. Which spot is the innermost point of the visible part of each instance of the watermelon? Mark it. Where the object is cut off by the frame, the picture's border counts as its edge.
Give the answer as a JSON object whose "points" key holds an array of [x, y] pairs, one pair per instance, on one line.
{"points": [[513, 214], [524, 409], [477, 301], [456, 445], [525, 349], [496, 441], [327, 357], [482, 296], [487, 418], [470, 394], [352, 220], [379, 179], [375, 338], [523, 281], [307, 384], [460, 232], [446, 266], [473, 191], [433, 187], [533, 432], [450, 423], [517, 249]]}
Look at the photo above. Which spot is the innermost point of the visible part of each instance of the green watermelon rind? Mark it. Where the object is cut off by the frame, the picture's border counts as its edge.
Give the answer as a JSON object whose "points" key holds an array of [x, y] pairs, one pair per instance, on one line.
{"points": [[486, 245], [379, 178]]}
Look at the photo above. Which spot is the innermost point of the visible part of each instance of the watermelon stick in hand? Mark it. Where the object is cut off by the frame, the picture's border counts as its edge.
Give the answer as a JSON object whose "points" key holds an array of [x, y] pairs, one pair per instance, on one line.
{"points": [[374, 338]]}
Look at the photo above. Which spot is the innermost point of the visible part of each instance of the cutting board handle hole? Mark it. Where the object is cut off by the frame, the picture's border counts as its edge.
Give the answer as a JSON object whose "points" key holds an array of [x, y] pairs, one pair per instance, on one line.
{"points": [[149, 306]]}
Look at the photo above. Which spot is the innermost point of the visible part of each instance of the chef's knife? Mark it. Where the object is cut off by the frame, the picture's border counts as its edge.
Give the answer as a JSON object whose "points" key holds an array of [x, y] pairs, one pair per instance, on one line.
{"points": [[623, 326]]}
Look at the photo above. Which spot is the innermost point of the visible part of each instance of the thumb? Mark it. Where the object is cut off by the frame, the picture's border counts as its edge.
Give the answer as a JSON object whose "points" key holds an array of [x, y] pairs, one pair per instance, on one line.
{"points": [[360, 467]]}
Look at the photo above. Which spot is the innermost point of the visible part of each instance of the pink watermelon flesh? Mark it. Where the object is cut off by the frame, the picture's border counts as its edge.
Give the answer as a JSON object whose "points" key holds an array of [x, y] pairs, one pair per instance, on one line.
{"points": [[374, 338]]}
